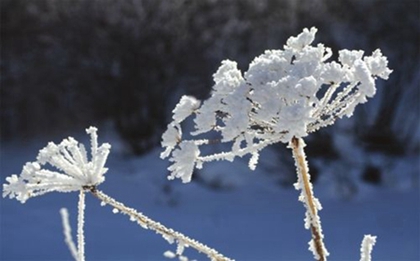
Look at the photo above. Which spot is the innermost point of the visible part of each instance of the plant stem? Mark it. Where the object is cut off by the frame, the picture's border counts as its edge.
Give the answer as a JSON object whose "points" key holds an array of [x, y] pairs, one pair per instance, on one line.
{"points": [[168, 233], [80, 224], [67, 233], [311, 203]]}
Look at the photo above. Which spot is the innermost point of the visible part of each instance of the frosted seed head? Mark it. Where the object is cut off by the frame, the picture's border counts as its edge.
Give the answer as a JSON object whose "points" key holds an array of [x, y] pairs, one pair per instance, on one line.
{"points": [[284, 94], [73, 170]]}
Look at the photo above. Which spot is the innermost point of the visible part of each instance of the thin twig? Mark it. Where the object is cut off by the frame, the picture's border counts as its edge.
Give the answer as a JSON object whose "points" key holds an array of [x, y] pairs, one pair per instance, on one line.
{"points": [[310, 202], [167, 233]]}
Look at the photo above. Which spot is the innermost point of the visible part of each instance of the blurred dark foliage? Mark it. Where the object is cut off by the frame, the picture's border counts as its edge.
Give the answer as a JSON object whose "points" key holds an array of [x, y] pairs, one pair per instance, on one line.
{"points": [[73, 63]]}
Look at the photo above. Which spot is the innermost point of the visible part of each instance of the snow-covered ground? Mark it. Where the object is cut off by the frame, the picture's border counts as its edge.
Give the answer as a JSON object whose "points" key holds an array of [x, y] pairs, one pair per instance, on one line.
{"points": [[256, 219]]}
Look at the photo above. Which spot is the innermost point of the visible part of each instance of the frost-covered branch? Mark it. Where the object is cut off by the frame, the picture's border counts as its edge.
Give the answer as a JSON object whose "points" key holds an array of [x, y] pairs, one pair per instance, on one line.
{"points": [[168, 234]]}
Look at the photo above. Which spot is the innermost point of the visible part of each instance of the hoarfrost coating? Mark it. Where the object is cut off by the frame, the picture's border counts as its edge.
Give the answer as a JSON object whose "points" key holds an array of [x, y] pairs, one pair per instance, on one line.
{"points": [[284, 94], [70, 158]]}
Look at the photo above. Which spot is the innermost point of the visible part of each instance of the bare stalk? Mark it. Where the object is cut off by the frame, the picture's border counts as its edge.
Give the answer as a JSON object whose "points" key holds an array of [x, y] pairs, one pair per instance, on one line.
{"points": [[169, 234], [311, 204], [67, 233], [80, 224]]}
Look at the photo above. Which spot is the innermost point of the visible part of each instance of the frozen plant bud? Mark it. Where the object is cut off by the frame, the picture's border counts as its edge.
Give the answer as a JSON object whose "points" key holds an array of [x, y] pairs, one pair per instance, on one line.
{"points": [[283, 94], [74, 170]]}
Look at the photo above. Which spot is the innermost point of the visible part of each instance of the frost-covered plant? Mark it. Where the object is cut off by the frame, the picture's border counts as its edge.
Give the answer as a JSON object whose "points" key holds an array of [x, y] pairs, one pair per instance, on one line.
{"points": [[77, 173], [282, 97]]}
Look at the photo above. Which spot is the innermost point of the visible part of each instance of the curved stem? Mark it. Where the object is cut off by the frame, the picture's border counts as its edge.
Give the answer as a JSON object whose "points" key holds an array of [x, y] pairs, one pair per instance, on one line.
{"points": [[312, 204], [167, 233]]}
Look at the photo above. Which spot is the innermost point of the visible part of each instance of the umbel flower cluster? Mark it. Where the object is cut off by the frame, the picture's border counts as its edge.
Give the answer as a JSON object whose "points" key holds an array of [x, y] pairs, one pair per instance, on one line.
{"points": [[284, 94], [75, 171]]}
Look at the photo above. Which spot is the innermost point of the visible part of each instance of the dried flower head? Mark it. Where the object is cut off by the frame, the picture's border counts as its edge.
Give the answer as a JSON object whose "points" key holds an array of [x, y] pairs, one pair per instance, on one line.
{"points": [[69, 157], [284, 94]]}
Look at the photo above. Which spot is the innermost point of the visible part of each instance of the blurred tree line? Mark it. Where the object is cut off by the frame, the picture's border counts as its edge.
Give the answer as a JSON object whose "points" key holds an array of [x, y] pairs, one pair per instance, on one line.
{"points": [[72, 63]]}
